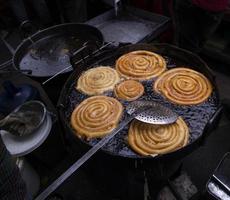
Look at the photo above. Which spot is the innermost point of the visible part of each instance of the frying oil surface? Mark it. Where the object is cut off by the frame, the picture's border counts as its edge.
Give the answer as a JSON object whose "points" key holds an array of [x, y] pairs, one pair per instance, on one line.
{"points": [[196, 116]]}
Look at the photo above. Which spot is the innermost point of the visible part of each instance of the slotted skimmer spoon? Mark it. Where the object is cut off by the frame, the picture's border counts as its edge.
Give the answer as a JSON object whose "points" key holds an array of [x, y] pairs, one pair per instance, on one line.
{"points": [[145, 111], [25, 119]]}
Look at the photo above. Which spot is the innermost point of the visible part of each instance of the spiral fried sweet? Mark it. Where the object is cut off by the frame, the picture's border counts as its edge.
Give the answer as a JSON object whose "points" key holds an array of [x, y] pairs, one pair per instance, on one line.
{"points": [[129, 90], [140, 65], [98, 80], [184, 86], [96, 116], [148, 139]]}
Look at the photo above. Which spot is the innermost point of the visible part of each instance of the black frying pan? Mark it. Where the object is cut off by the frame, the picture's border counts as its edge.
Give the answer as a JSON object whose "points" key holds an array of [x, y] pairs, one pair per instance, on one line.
{"points": [[200, 118], [47, 52]]}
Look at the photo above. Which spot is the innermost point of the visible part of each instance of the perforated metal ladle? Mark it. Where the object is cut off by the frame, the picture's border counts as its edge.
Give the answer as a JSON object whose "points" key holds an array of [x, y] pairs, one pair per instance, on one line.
{"points": [[145, 111], [151, 112]]}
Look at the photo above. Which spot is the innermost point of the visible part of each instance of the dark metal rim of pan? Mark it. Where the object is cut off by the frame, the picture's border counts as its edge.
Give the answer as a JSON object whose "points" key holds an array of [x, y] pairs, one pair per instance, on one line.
{"points": [[62, 29], [164, 49]]}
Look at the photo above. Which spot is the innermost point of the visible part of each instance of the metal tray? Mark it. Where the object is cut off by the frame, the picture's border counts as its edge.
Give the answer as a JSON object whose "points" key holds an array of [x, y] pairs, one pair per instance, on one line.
{"points": [[132, 25]]}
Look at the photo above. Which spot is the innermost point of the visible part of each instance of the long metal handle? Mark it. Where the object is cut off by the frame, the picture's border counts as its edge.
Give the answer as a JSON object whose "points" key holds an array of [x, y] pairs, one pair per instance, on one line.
{"points": [[63, 70], [82, 160], [6, 64], [102, 47], [69, 67]]}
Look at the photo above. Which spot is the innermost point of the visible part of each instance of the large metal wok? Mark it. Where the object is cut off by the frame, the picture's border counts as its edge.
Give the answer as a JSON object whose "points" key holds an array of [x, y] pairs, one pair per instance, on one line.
{"points": [[47, 52], [200, 118]]}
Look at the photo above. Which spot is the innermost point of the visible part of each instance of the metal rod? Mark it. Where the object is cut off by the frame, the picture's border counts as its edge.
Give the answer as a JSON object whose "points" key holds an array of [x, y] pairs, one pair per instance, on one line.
{"points": [[49, 79], [69, 67], [81, 161], [102, 47], [5, 64], [82, 48], [53, 186]]}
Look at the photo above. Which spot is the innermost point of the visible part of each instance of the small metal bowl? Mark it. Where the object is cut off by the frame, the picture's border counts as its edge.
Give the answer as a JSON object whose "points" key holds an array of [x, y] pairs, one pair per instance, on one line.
{"points": [[32, 113]]}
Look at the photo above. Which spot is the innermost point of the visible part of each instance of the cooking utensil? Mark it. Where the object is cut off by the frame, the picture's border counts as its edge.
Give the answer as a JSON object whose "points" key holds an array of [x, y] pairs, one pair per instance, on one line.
{"points": [[47, 52], [126, 24], [140, 110], [200, 119], [19, 146], [79, 61], [157, 114], [25, 119]]}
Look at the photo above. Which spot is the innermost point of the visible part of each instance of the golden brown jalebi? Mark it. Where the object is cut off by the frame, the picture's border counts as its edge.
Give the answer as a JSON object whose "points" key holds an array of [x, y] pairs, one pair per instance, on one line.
{"points": [[98, 80], [148, 139], [183, 86], [129, 90], [140, 65], [96, 116]]}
